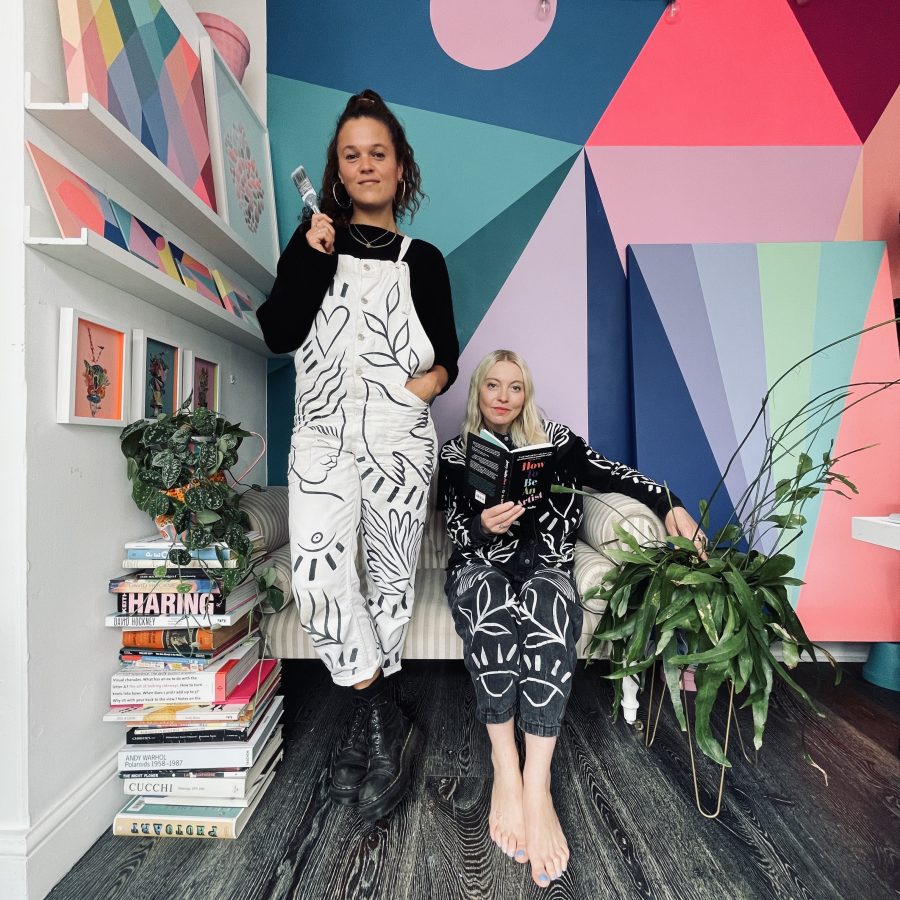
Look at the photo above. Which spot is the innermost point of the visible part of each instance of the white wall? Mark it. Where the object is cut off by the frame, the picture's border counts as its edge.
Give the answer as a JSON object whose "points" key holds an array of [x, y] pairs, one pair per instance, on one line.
{"points": [[66, 499], [13, 609]]}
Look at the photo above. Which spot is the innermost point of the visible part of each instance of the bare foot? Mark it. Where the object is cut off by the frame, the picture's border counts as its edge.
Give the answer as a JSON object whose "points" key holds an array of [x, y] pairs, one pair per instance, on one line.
{"points": [[547, 847], [506, 820]]}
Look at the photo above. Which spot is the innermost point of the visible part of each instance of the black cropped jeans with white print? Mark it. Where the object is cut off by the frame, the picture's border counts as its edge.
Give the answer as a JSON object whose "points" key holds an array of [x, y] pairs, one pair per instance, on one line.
{"points": [[519, 630]]}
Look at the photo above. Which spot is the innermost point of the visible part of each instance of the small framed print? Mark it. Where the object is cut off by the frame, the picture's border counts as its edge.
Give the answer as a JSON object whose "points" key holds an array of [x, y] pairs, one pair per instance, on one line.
{"points": [[93, 360], [202, 381], [156, 375]]}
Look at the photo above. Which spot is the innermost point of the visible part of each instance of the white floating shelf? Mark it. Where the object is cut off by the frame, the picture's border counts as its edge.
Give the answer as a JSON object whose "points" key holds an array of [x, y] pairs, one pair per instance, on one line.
{"points": [[105, 260], [92, 130], [876, 530]]}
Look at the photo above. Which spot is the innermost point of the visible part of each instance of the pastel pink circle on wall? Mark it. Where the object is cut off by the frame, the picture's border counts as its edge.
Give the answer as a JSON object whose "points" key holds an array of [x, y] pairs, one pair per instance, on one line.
{"points": [[489, 34]]}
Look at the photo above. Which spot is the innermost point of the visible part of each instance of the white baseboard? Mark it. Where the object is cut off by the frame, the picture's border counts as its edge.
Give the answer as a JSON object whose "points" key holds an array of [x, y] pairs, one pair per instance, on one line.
{"points": [[33, 860], [846, 651]]}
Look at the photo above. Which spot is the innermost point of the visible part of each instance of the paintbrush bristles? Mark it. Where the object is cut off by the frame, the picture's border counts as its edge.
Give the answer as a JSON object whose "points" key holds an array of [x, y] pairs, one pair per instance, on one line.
{"points": [[305, 188]]}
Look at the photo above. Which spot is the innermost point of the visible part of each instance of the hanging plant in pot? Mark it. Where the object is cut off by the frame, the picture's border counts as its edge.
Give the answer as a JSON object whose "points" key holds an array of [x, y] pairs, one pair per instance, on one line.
{"points": [[177, 465], [723, 611]]}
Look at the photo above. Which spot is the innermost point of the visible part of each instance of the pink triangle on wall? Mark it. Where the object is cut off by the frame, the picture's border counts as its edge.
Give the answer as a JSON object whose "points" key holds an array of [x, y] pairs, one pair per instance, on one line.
{"points": [[726, 75]]}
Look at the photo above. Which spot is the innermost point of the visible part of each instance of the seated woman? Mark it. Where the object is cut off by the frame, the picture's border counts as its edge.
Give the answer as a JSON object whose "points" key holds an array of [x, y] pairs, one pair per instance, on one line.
{"points": [[515, 604]]}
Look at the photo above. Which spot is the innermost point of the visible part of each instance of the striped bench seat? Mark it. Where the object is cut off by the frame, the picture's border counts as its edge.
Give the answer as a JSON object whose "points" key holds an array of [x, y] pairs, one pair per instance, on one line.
{"points": [[431, 632]]}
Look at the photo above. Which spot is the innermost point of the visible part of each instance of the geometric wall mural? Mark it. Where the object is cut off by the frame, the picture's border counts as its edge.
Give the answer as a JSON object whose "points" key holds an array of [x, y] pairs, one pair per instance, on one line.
{"points": [[756, 148], [558, 90], [540, 311], [713, 326]]}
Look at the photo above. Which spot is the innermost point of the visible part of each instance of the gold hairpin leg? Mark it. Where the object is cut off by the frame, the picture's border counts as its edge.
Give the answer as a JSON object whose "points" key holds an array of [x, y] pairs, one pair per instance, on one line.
{"points": [[700, 808], [737, 728], [650, 736]]}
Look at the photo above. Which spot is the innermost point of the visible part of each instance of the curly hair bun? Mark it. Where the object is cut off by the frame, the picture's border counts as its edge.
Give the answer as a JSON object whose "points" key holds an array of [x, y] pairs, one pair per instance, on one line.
{"points": [[365, 101]]}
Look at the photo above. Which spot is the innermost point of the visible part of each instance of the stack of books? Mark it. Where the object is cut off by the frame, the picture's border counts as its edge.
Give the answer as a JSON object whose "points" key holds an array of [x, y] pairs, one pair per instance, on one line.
{"points": [[201, 708]]}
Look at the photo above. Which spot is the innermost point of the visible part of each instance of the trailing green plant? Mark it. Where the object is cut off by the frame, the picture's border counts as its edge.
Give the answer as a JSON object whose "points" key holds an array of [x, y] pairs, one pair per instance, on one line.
{"points": [[177, 466], [723, 611]]}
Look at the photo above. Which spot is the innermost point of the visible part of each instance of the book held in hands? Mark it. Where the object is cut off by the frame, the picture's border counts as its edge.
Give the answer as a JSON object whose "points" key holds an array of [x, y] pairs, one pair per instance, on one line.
{"points": [[496, 473]]}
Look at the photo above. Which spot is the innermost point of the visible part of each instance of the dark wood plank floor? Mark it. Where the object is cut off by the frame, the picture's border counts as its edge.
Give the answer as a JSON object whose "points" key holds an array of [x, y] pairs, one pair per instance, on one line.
{"points": [[627, 811]]}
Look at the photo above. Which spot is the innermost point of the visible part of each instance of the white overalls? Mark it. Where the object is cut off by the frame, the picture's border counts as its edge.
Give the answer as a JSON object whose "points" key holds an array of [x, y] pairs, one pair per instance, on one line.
{"points": [[363, 451]]}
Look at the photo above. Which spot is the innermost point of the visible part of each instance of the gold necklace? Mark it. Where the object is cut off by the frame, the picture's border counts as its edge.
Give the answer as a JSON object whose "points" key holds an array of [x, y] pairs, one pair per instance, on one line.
{"points": [[358, 237]]}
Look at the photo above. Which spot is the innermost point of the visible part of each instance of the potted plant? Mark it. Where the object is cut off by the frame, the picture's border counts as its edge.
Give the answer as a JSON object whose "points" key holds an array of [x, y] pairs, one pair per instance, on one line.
{"points": [[722, 612], [177, 465]]}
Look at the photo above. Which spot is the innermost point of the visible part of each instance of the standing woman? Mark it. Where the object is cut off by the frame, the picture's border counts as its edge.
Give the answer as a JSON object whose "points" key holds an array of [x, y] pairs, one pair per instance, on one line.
{"points": [[368, 312], [515, 604]]}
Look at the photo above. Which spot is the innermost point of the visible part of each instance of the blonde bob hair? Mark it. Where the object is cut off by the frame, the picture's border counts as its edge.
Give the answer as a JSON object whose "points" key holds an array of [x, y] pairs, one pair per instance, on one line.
{"points": [[527, 427]]}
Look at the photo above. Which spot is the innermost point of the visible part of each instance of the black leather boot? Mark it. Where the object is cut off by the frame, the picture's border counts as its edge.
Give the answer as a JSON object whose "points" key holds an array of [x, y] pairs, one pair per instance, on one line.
{"points": [[350, 758], [393, 744]]}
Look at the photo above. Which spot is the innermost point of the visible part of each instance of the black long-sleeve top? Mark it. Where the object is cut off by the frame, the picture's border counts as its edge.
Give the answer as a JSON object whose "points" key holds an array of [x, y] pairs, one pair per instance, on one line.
{"points": [[544, 536], [305, 273]]}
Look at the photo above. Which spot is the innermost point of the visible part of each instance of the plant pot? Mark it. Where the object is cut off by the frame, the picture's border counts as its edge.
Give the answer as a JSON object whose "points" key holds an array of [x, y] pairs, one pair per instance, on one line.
{"points": [[230, 41]]}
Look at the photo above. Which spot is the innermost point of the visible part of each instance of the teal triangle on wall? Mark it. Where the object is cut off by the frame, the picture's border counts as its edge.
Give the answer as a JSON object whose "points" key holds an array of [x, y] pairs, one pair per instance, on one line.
{"points": [[471, 171], [480, 267]]}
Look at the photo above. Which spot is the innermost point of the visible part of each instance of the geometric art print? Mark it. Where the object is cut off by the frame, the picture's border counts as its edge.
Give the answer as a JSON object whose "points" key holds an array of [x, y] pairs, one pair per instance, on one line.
{"points": [[130, 56], [75, 203]]}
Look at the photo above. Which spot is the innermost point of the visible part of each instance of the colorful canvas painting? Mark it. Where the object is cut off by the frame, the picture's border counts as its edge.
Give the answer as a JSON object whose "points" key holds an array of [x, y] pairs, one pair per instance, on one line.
{"points": [[242, 166], [156, 376], [233, 299], [145, 242], [206, 384], [196, 275], [130, 56], [93, 357], [74, 202]]}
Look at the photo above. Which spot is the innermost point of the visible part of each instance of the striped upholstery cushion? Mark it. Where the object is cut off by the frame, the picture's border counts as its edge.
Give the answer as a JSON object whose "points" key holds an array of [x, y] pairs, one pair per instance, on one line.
{"points": [[435, 552], [431, 634], [590, 567], [268, 513], [609, 510], [280, 560]]}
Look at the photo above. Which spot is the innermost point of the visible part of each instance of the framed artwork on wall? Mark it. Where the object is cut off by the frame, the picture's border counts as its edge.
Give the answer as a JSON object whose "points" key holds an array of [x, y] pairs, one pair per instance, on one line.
{"points": [[93, 361], [131, 58], [242, 165], [156, 375], [203, 381]]}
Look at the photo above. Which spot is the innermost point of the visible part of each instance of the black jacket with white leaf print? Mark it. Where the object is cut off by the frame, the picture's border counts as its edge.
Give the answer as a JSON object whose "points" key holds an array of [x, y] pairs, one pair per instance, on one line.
{"points": [[544, 537]]}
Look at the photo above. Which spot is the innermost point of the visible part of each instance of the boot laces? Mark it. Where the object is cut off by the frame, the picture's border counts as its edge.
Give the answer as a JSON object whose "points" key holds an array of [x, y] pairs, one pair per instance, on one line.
{"points": [[357, 723], [376, 736]]}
